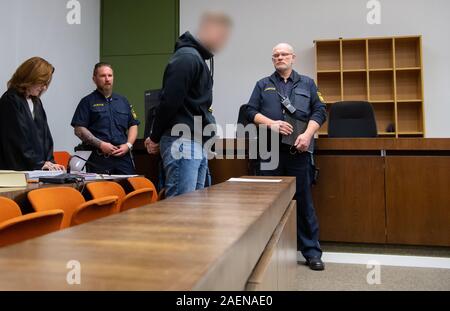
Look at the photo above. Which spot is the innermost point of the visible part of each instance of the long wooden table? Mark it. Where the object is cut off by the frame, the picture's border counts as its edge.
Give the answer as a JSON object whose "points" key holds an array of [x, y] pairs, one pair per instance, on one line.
{"points": [[227, 237], [376, 190]]}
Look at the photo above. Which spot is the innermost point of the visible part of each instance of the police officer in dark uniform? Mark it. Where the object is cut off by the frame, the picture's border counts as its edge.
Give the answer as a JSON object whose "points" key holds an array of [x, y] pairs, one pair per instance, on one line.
{"points": [[106, 124], [275, 102]]}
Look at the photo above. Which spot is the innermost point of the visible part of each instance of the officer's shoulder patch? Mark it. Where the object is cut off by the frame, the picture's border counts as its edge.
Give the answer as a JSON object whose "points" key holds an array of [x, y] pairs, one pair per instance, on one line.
{"points": [[98, 105], [133, 112]]}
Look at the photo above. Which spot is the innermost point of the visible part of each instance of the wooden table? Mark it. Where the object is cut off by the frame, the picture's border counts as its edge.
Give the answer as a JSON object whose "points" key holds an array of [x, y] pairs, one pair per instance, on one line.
{"points": [[211, 239]]}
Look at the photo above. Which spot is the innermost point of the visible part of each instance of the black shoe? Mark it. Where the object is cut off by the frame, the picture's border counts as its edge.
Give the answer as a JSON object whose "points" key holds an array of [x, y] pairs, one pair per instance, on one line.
{"points": [[315, 263]]}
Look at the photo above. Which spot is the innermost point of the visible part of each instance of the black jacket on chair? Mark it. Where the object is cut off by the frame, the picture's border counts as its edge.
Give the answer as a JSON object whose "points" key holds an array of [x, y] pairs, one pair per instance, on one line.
{"points": [[352, 119]]}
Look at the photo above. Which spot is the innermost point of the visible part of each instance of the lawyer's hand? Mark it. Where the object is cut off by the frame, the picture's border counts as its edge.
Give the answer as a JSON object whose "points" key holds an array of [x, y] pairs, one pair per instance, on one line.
{"points": [[49, 166]]}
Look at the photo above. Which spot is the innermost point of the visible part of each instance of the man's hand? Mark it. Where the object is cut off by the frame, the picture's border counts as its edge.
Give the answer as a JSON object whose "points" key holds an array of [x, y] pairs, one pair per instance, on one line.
{"points": [[121, 151], [152, 147], [49, 166], [108, 148], [303, 141], [281, 127]]}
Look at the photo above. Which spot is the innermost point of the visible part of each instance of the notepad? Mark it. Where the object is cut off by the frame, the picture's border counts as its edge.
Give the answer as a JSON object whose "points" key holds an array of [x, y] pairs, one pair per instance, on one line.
{"points": [[255, 180], [12, 179]]}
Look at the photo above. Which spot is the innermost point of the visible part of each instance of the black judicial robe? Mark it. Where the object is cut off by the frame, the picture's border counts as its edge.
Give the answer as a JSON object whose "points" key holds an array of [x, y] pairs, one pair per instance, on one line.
{"points": [[25, 143]]}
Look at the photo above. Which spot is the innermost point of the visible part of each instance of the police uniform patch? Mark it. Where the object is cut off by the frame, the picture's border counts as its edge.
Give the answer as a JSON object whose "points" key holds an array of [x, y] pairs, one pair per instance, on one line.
{"points": [[133, 112], [98, 105], [320, 96], [271, 88]]}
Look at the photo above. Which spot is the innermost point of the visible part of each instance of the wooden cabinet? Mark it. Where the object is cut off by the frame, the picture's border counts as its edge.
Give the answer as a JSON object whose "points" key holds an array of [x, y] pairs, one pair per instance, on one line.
{"points": [[384, 190], [418, 200], [346, 210], [387, 72], [276, 268]]}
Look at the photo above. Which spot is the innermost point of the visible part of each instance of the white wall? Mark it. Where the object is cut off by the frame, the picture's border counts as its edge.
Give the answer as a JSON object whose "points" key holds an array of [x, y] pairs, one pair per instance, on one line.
{"points": [[260, 24], [39, 28]]}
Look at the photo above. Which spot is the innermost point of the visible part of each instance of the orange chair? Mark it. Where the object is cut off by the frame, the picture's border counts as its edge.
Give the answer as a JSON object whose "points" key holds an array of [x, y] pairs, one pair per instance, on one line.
{"points": [[141, 183], [76, 209], [15, 227], [133, 199], [62, 158]]}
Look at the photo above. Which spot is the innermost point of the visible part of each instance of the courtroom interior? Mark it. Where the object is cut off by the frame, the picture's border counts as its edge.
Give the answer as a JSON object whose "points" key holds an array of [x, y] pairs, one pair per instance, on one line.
{"points": [[224, 145]]}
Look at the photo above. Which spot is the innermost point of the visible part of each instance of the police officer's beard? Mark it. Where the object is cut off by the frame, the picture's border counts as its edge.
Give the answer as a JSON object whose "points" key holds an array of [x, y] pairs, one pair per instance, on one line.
{"points": [[106, 89]]}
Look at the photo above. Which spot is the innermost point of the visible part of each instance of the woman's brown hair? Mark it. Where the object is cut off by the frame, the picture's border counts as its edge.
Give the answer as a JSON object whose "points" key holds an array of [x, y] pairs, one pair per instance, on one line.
{"points": [[33, 71]]}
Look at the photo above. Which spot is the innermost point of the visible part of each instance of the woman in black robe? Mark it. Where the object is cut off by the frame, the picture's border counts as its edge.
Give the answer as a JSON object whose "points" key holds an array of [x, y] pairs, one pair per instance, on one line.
{"points": [[25, 140]]}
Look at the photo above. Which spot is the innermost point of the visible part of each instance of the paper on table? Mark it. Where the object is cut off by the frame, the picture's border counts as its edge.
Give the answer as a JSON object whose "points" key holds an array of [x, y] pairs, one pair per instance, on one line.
{"points": [[255, 180], [37, 174], [93, 176]]}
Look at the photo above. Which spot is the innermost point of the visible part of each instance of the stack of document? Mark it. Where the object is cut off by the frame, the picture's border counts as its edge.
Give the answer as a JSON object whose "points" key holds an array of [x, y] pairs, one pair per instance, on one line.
{"points": [[37, 174], [93, 176]]}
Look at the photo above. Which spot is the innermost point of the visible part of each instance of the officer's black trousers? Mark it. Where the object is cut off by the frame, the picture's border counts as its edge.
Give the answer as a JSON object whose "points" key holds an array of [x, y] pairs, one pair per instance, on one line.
{"points": [[110, 165], [301, 166]]}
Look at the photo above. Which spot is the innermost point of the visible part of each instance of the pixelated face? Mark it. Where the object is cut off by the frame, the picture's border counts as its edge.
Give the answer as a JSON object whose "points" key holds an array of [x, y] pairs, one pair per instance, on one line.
{"points": [[217, 34]]}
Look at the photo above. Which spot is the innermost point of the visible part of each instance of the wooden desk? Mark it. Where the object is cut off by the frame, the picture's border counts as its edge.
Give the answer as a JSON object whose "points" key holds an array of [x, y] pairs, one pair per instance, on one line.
{"points": [[380, 190], [384, 190], [206, 240]]}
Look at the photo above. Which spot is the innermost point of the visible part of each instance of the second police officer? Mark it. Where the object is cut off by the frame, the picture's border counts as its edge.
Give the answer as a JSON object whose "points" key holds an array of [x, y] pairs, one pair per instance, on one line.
{"points": [[106, 124]]}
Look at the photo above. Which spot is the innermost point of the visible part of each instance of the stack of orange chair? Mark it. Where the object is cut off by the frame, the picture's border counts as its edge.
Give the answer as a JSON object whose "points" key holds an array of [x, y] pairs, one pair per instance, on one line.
{"points": [[76, 209], [142, 183], [137, 198], [15, 227]]}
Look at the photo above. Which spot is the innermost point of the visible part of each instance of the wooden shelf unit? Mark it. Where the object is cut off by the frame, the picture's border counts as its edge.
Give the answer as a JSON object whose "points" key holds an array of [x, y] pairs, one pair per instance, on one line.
{"points": [[386, 71]]}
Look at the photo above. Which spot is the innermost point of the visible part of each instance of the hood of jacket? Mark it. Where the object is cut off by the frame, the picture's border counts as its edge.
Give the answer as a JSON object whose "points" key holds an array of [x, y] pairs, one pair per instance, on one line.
{"points": [[188, 40]]}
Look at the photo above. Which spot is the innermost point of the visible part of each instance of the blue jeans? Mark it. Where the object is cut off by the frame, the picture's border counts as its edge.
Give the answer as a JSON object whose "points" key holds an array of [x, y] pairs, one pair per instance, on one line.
{"points": [[185, 165]]}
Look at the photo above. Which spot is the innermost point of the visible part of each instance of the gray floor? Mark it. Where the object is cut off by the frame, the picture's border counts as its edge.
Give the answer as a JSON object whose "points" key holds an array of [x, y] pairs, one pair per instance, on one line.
{"points": [[386, 249], [349, 277], [346, 277]]}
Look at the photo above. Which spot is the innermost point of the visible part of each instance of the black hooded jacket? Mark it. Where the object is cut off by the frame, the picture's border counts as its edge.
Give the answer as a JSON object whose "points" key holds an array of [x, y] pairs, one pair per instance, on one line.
{"points": [[187, 89]]}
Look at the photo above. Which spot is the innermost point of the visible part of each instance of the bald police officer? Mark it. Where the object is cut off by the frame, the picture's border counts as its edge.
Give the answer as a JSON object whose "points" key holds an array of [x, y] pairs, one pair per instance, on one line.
{"points": [[288, 96], [106, 124]]}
